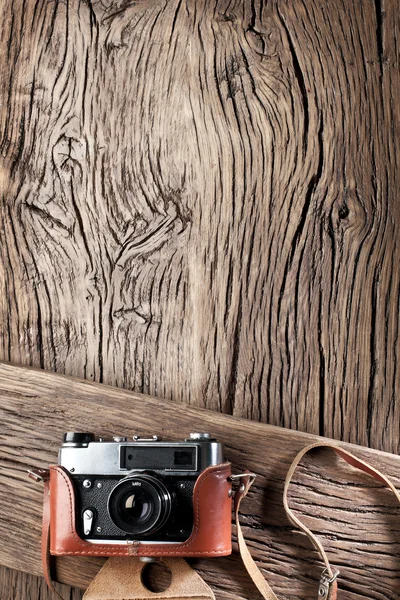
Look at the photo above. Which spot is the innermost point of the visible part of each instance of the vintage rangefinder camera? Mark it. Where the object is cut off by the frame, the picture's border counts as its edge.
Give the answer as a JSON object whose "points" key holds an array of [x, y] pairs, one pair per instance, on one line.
{"points": [[140, 496]]}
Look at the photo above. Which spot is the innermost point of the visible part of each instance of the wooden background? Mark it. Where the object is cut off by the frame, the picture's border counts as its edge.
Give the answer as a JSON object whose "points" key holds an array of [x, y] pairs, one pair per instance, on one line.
{"points": [[199, 201], [356, 519]]}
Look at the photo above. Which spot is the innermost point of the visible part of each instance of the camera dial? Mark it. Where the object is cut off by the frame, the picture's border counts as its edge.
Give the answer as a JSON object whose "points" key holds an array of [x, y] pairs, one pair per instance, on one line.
{"points": [[140, 504], [200, 437], [75, 437]]}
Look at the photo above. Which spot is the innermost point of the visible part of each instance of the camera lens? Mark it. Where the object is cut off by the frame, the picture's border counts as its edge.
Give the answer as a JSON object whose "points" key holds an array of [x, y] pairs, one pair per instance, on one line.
{"points": [[137, 506], [140, 504]]}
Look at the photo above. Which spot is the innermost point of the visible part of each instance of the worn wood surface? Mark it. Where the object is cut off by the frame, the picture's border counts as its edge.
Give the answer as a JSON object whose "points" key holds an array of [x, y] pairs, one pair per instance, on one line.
{"points": [[199, 201], [357, 520], [15, 585]]}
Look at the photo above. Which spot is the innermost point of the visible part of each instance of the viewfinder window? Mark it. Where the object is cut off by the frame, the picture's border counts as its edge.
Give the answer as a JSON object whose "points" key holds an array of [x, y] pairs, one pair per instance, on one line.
{"points": [[183, 458]]}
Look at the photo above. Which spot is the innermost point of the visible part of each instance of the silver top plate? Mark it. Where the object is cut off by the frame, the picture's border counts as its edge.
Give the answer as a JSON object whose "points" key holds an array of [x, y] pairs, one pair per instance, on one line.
{"points": [[104, 458]]}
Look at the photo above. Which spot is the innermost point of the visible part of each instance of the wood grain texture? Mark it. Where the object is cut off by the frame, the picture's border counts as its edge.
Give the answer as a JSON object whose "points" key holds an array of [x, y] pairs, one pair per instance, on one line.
{"points": [[15, 585], [357, 520], [200, 202]]}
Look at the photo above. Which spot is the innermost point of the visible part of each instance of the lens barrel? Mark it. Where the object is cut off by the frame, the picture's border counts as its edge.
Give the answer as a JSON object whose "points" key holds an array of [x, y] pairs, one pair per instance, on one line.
{"points": [[140, 504]]}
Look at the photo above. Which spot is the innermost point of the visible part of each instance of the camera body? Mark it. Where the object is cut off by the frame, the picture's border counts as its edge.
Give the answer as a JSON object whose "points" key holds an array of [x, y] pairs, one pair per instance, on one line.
{"points": [[142, 493]]}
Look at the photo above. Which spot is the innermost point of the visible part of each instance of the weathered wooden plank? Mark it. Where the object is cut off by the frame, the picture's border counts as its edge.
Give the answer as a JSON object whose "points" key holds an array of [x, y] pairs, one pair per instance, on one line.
{"points": [[200, 202], [15, 585], [357, 521]]}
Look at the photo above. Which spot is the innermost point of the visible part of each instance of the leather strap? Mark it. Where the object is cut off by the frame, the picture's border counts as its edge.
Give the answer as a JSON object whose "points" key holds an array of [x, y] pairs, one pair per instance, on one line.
{"points": [[328, 585]]}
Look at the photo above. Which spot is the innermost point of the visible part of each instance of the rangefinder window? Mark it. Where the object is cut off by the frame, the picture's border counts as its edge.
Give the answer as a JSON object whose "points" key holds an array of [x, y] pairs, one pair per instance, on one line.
{"points": [[172, 458], [184, 458]]}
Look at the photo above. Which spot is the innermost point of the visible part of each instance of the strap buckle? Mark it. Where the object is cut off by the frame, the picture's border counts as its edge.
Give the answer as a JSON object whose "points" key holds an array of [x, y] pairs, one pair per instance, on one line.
{"points": [[38, 475], [250, 476], [326, 582]]}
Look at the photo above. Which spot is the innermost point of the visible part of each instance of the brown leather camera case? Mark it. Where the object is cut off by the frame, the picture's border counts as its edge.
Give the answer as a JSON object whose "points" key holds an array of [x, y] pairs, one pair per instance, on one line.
{"points": [[211, 534]]}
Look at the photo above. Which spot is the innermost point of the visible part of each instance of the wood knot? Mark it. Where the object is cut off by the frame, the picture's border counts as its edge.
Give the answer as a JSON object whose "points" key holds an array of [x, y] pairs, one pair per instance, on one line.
{"points": [[152, 235], [349, 211], [227, 17], [68, 154], [343, 211], [266, 43], [231, 76]]}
